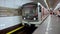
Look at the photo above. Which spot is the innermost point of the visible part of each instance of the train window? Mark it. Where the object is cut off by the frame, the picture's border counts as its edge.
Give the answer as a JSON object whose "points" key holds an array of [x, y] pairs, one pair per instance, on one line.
{"points": [[40, 8], [30, 13]]}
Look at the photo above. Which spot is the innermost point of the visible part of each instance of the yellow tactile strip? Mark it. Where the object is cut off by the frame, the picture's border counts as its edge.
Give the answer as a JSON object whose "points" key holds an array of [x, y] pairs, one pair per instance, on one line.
{"points": [[15, 30]]}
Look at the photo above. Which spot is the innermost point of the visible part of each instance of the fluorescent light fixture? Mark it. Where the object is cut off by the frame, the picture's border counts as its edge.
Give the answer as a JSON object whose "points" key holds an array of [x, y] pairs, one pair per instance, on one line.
{"points": [[58, 6], [46, 4]]}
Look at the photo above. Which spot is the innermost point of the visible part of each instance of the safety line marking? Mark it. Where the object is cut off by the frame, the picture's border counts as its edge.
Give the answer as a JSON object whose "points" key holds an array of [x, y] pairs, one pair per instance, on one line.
{"points": [[15, 30]]}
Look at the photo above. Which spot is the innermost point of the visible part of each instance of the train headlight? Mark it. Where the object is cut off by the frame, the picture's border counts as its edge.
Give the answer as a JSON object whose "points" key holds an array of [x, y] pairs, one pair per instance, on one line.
{"points": [[24, 18], [34, 18]]}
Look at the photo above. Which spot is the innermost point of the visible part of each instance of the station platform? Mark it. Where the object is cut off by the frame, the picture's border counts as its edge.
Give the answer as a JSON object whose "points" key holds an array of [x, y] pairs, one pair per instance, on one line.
{"points": [[51, 27]]}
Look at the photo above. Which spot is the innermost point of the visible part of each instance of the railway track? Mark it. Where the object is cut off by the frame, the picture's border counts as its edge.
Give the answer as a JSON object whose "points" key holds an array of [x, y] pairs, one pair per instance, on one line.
{"points": [[25, 30]]}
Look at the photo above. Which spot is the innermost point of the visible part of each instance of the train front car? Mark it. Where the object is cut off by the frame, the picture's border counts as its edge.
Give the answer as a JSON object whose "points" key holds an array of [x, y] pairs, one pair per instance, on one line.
{"points": [[30, 14]]}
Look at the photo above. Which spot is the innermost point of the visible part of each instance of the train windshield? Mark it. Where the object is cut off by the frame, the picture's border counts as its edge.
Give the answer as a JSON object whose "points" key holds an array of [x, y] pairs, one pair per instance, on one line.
{"points": [[30, 13]]}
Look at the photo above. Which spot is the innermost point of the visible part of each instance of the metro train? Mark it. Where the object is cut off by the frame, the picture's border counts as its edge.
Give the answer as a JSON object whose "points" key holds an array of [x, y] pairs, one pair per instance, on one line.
{"points": [[32, 13]]}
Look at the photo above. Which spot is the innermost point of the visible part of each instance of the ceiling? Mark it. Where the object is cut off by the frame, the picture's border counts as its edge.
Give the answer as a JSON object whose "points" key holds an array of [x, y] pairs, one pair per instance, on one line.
{"points": [[51, 3], [57, 7], [13, 3], [18, 3]]}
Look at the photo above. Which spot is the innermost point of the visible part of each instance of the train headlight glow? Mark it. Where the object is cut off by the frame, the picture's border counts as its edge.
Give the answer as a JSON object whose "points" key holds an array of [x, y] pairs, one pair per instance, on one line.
{"points": [[24, 18], [34, 18]]}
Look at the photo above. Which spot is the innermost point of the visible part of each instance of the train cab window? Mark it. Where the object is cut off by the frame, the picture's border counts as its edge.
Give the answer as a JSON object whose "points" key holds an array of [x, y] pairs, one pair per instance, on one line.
{"points": [[30, 13]]}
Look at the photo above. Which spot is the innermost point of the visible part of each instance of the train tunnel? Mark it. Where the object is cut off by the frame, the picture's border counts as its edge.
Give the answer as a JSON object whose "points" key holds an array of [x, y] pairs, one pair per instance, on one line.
{"points": [[29, 16]]}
